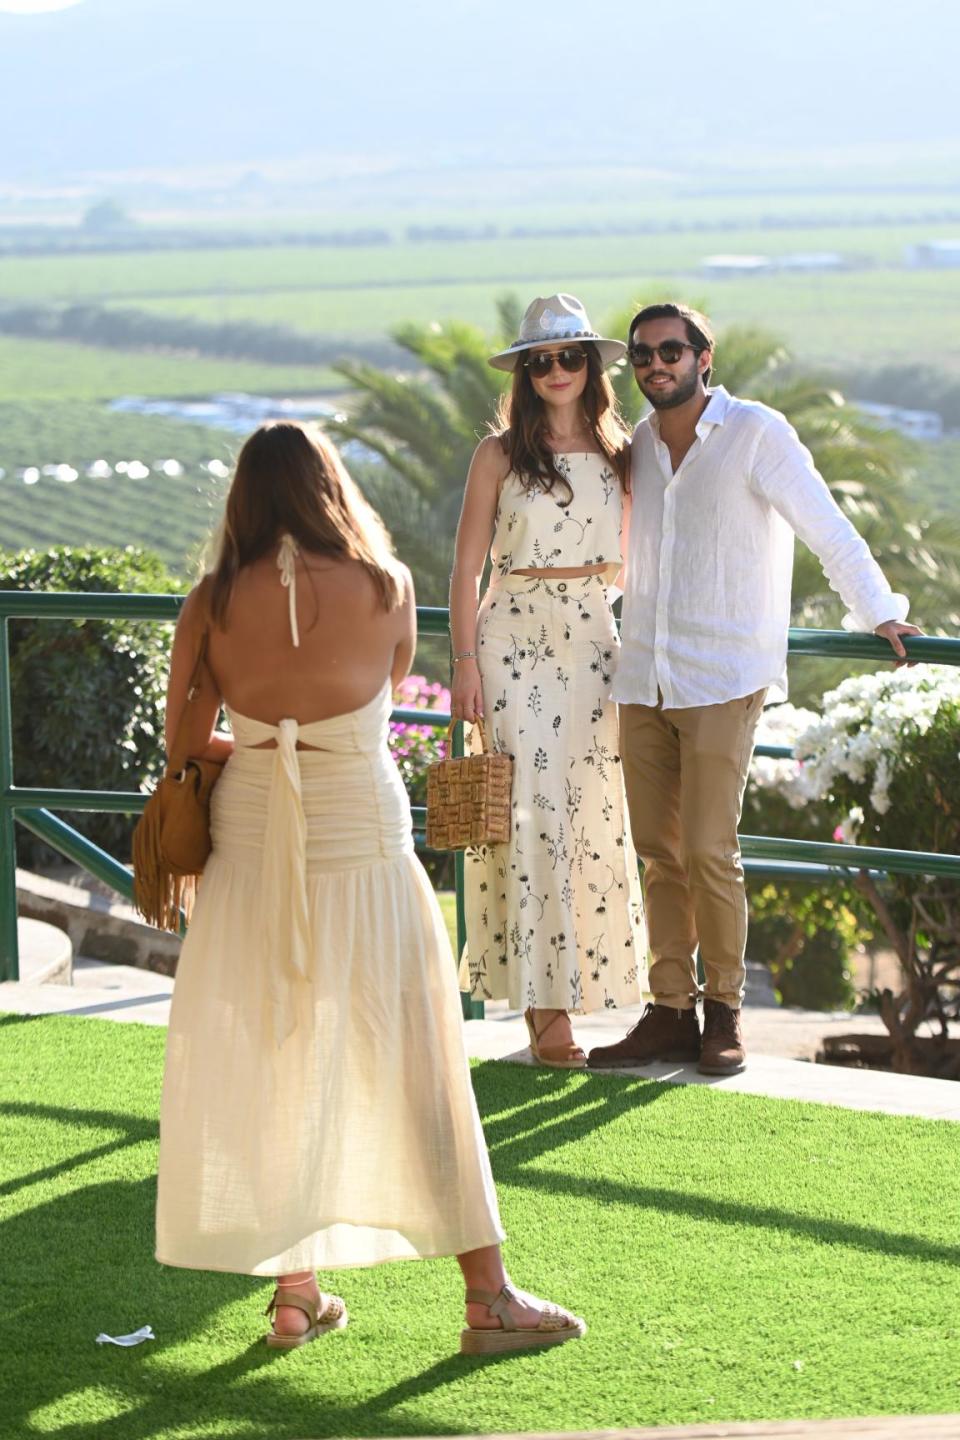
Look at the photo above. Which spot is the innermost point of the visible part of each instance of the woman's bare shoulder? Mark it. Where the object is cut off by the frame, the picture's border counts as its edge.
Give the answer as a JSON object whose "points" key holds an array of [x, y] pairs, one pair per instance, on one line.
{"points": [[406, 582], [490, 460], [195, 610]]}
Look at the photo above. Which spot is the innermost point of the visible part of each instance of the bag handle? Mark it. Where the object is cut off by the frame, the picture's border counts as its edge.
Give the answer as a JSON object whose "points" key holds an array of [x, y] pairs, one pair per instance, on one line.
{"points": [[178, 750], [478, 722]]}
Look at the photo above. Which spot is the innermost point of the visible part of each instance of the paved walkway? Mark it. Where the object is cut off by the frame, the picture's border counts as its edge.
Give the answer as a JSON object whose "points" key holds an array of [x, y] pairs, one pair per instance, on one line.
{"points": [[773, 1036], [893, 1427]]}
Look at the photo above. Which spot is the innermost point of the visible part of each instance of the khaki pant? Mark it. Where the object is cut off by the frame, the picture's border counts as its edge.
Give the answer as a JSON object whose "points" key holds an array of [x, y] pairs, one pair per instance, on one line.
{"points": [[685, 773]]}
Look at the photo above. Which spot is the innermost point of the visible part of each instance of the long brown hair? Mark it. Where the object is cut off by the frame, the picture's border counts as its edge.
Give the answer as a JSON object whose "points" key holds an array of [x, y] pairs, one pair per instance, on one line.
{"points": [[290, 479], [521, 426]]}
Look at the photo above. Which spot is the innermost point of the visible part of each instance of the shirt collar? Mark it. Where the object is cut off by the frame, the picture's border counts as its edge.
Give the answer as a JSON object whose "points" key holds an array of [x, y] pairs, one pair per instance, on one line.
{"points": [[715, 413]]}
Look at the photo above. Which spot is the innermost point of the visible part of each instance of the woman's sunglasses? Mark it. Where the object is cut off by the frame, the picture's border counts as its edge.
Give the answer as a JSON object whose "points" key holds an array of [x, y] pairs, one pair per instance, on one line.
{"points": [[540, 364], [669, 351]]}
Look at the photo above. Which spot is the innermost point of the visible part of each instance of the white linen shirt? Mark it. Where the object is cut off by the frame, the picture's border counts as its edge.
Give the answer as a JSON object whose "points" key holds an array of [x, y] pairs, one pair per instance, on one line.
{"points": [[710, 558]]}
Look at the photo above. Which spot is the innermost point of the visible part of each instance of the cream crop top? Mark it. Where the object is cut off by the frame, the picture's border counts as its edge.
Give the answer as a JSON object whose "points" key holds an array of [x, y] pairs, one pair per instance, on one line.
{"points": [[538, 531]]}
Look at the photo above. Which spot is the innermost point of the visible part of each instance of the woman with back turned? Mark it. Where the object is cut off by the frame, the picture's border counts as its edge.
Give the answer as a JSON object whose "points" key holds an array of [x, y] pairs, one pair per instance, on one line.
{"points": [[317, 1108]]}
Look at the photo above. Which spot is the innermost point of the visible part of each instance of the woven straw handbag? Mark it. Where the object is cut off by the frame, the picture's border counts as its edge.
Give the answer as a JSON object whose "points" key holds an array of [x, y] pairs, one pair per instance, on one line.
{"points": [[171, 843], [468, 800]]}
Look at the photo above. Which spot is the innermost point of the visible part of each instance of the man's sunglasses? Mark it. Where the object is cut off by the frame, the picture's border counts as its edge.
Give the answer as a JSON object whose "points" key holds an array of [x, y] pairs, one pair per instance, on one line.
{"points": [[669, 351], [541, 363]]}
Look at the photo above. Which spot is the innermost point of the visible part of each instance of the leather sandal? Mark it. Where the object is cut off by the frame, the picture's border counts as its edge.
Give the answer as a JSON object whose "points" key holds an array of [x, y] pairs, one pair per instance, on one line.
{"points": [[556, 1325], [331, 1314], [560, 1057]]}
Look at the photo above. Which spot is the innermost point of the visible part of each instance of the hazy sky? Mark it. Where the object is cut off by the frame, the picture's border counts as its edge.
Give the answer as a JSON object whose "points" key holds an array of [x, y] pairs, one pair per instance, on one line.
{"points": [[35, 7], [107, 85]]}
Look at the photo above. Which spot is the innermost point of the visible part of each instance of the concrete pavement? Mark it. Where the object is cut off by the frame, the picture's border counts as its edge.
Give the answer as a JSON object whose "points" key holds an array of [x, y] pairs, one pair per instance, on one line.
{"points": [[773, 1035]]}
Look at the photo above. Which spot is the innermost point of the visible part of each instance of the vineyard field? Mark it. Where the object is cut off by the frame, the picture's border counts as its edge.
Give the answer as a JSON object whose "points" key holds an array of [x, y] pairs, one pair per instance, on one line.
{"points": [[57, 371]]}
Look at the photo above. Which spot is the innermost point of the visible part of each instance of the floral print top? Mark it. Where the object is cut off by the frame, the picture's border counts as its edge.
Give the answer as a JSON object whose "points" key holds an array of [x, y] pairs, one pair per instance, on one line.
{"points": [[539, 531]]}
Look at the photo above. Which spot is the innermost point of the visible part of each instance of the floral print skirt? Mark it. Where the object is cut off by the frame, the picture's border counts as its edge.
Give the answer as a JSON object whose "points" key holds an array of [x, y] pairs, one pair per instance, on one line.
{"points": [[555, 916]]}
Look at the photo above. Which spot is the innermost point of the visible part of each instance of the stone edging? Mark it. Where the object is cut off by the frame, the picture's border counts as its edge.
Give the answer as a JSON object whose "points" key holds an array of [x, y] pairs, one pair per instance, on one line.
{"points": [[100, 928]]}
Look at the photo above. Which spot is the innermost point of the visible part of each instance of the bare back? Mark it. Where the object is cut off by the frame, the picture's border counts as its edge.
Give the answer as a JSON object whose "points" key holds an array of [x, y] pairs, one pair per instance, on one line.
{"points": [[347, 650], [349, 645]]}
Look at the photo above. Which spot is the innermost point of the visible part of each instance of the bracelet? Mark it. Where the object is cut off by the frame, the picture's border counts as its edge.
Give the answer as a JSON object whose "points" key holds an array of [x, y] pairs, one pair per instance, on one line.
{"points": [[465, 655]]}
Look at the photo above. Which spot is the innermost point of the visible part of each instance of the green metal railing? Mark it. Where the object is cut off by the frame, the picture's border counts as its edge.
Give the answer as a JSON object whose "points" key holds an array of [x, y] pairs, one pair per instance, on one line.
{"points": [[32, 807]]}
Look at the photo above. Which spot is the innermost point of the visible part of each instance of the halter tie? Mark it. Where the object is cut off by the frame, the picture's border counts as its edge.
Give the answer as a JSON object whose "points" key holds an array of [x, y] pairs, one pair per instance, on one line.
{"points": [[287, 553]]}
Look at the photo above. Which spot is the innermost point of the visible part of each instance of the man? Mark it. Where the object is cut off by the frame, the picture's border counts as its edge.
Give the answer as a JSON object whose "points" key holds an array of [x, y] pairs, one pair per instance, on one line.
{"points": [[720, 487]]}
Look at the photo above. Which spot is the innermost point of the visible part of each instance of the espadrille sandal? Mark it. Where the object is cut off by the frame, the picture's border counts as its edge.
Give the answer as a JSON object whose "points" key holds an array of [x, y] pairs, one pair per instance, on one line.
{"points": [[332, 1316], [556, 1325], [559, 1057]]}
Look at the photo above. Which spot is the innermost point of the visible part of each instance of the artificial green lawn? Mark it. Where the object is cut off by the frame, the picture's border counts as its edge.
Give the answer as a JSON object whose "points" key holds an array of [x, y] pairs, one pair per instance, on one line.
{"points": [[735, 1258]]}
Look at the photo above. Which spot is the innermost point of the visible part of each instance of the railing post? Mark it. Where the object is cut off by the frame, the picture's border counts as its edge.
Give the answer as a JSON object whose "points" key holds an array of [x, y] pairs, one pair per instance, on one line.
{"points": [[472, 1009], [9, 951]]}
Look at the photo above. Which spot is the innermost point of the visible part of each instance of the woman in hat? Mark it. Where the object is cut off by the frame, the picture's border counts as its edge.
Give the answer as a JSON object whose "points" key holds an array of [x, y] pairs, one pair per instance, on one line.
{"points": [[554, 917]]}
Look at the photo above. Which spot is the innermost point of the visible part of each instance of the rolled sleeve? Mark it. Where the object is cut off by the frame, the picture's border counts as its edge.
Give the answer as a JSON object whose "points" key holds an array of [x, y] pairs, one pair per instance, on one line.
{"points": [[784, 474]]}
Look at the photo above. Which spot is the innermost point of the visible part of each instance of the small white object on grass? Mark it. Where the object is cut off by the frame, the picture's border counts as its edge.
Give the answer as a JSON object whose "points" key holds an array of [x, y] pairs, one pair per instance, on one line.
{"points": [[144, 1333]]}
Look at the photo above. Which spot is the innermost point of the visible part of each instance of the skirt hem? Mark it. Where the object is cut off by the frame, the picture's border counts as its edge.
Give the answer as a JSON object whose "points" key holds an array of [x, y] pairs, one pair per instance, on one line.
{"points": [[265, 1274]]}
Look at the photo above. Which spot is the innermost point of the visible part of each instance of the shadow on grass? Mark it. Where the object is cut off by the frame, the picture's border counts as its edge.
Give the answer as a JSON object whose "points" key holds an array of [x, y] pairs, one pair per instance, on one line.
{"points": [[82, 1263], [595, 1101], [134, 1131]]}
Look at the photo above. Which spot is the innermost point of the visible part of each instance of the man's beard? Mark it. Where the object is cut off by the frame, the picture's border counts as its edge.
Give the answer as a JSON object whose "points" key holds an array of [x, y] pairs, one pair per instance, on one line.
{"points": [[682, 391]]}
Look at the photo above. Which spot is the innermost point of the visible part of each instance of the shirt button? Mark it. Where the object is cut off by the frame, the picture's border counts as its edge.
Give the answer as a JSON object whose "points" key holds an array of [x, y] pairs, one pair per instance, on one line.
{"points": [[561, 585]]}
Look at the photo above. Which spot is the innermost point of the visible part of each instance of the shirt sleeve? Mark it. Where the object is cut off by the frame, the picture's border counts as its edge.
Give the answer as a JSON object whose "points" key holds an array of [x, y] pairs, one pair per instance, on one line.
{"points": [[784, 474]]}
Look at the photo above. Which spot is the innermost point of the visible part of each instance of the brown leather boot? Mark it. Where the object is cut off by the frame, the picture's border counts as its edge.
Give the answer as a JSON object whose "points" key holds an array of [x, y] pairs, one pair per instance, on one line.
{"points": [[661, 1033], [722, 1051]]}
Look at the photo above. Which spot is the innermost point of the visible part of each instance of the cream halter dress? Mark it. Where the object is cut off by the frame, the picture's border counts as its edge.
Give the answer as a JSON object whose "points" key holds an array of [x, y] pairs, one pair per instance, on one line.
{"points": [[317, 1108]]}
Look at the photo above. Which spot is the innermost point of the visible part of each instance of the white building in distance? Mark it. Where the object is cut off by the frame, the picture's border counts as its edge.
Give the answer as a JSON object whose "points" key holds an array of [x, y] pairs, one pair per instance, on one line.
{"points": [[934, 255], [725, 267]]}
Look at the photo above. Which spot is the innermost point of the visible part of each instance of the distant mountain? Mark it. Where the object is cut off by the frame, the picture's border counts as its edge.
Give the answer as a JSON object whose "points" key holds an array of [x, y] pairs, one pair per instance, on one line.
{"points": [[151, 85]]}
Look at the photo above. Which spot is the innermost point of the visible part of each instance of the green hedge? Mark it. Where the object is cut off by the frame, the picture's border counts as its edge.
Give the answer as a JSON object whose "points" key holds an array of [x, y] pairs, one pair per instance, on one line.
{"points": [[87, 696]]}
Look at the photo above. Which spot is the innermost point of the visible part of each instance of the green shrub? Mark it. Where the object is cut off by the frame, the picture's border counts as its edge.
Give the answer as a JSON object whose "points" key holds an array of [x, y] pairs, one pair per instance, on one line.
{"points": [[87, 696], [883, 758], [802, 930], [804, 934]]}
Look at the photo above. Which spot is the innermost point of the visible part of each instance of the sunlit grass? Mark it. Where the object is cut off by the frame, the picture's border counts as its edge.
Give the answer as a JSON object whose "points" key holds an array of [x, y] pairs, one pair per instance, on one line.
{"points": [[735, 1258]]}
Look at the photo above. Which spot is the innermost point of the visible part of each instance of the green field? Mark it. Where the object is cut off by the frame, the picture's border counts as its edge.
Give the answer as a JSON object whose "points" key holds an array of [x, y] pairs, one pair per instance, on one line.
{"points": [[57, 370], [169, 514], [882, 313], [735, 1258], [870, 317], [526, 260], [53, 393]]}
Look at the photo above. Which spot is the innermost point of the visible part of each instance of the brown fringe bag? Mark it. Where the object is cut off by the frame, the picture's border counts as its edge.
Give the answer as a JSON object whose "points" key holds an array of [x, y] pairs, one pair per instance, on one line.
{"points": [[172, 840]]}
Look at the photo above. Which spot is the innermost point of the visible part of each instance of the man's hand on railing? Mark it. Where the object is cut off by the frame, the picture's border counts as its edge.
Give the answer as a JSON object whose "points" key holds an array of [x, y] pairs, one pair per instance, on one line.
{"points": [[891, 630]]}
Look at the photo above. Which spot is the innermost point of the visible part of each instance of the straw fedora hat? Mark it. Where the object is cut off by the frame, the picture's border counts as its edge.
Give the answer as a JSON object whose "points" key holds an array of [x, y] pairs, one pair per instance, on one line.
{"points": [[552, 319]]}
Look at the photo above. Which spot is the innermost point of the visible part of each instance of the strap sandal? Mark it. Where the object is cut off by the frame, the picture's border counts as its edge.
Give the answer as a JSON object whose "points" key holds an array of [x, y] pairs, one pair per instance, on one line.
{"points": [[560, 1057], [330, 1314], [555, 1326]]}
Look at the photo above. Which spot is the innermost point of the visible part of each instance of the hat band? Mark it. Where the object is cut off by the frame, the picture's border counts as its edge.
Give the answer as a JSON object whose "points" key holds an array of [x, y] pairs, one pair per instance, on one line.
{"points": [[552, 339]]}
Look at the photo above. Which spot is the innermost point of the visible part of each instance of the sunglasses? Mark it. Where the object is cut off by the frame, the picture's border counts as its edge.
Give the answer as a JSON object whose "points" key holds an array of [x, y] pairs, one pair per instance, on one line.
{"points": [[540, 364], [669, 351]]}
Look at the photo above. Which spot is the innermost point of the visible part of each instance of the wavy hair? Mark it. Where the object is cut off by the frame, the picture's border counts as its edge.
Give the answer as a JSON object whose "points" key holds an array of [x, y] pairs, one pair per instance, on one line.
{"points": [[289, 479], [521, 425]]}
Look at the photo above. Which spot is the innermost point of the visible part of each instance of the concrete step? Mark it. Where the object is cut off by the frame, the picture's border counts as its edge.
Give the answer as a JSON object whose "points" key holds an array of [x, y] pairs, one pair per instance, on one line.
{"points": [[46, 953], [505, 1038], [103, 991]]}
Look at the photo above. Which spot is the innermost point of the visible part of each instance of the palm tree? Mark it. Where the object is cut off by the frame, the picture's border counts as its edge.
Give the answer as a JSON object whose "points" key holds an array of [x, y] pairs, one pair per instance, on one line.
{"points": [[425, 425]]}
